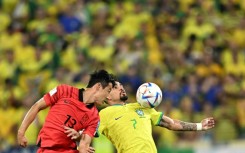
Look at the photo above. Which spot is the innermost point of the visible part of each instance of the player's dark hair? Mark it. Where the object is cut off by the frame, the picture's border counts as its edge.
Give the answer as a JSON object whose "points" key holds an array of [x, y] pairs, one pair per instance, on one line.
{"points": [[103, 77]]}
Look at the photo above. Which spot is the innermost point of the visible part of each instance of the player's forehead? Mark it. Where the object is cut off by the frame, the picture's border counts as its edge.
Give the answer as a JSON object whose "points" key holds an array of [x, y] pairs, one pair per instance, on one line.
{"points": [[118, 84]]}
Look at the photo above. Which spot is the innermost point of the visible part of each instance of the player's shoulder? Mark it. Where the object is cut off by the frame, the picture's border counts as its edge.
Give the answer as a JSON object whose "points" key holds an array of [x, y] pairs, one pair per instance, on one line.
{"points": [[66, 87], [137, 106]]}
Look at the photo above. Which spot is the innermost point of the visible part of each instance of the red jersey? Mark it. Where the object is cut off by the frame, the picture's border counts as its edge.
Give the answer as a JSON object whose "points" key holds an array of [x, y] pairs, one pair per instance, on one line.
{"points": [[66, 109]]}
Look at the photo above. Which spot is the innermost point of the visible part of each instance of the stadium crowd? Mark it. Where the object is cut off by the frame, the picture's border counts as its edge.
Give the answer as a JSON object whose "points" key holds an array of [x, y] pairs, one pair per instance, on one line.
{"points": [[193, 49]]}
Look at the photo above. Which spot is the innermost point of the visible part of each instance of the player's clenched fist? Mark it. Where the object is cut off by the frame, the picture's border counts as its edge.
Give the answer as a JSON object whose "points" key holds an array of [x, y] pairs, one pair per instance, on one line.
{"points": [[22, 141]]}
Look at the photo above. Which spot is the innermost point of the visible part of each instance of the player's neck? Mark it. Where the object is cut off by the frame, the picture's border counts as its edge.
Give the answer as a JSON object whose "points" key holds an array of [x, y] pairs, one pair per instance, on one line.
{"points": [[88, 96], [118, 103]]}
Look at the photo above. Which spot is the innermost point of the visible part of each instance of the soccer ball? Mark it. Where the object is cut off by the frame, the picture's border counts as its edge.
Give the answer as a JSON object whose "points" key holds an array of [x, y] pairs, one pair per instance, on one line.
{"points": [[149, 95]]}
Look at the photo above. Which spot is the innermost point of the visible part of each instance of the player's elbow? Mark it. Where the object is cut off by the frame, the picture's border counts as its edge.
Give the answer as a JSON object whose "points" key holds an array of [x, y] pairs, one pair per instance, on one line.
{"points": [[39, 105], [168, 126], [172, 127]]}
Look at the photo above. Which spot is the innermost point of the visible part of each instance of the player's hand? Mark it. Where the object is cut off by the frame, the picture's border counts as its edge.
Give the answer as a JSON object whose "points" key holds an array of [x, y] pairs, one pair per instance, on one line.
{"points": [[88, 150], [72, 133], [22, 141], [208, 123], [91, 150]]}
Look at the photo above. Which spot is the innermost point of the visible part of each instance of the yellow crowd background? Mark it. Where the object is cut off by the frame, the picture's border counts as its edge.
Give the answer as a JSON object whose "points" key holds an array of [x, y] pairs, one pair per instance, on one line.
{"points": [[193, 49]]}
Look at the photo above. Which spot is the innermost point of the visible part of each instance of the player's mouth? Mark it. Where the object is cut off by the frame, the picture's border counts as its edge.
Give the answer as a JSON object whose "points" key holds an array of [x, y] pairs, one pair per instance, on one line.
{"points": [[123, 93]]}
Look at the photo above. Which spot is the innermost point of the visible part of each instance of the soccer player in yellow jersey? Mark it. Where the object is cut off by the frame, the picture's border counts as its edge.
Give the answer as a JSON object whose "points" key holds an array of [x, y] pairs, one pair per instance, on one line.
{"points": [[129, 126]]}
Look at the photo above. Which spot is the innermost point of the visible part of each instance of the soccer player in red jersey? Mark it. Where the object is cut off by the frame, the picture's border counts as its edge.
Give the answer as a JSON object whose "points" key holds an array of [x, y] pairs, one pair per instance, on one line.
{"points": [[71, 107]]}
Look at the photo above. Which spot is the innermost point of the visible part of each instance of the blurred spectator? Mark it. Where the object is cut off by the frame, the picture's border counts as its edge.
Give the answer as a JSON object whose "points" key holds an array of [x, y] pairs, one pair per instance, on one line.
{"points": [[233, 59], [5, 20], [131, 79], [192, 88], [211, 90], [69, 21], [241, 117], [173, 93], [225, 115], [8, 66]]}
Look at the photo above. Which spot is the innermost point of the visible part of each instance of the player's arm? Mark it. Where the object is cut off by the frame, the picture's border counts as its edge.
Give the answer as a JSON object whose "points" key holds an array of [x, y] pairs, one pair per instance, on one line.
{"points": [[28, 119], [177, 125], [72, 133], [75, 135], [84, 144]]}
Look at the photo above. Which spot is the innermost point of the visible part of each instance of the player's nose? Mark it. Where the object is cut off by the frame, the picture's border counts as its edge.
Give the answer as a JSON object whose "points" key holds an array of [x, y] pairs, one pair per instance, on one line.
{"points": [[122, 90]]}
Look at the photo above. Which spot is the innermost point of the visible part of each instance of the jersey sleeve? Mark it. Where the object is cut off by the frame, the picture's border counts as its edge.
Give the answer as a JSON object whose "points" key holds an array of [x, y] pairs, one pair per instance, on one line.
{"points": [[92, 128], [155, 116], [53, 95]]}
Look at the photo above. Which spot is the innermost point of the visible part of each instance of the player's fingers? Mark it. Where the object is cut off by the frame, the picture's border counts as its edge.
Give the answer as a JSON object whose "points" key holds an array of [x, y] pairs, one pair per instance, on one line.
{"points": [[74, 137], [68, 131], [66, 127], [211, 121], [69, 135], [208, 121], [91, 150], [23, 144]]}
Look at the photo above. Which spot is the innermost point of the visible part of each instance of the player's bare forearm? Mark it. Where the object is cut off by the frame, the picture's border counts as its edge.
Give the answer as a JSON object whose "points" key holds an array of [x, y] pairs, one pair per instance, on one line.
{"points": [[184, 126], [30, 116], [84, 143], [74, 135], [178, 125]]}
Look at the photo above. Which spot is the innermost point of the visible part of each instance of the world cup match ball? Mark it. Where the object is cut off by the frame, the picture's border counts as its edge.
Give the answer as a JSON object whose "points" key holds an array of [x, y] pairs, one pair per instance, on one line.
{"points": [[149, 95]]}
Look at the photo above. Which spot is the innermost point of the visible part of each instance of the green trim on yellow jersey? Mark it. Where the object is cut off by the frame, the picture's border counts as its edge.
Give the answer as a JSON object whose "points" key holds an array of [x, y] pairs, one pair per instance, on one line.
{"points": [[117, 105], [158, 122]]}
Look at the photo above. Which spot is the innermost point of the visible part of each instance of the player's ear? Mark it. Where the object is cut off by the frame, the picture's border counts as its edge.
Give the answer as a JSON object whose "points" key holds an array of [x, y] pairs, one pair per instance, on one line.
{"points": [[97, 86]]}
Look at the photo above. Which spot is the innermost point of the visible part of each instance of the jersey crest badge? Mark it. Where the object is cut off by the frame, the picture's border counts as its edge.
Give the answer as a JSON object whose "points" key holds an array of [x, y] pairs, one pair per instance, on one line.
{"points": [[139, 112]]}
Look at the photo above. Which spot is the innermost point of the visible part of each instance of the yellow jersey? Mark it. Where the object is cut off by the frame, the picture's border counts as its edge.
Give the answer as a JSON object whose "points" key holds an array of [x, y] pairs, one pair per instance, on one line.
{"points": [[129, 127]]}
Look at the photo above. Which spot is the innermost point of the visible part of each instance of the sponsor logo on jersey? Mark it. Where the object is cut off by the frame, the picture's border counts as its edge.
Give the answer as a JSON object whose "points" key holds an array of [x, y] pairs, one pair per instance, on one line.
{"points": [[118, 117]]}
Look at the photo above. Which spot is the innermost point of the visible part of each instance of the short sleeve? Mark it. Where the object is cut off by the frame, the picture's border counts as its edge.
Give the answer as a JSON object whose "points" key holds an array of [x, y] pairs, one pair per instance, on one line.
{"points": [[155, 116], [52, 96], [91, 130]]}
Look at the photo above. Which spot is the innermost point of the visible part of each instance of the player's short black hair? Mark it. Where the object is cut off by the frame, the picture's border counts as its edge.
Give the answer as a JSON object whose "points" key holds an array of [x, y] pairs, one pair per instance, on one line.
{"points": [[101, 76]]}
